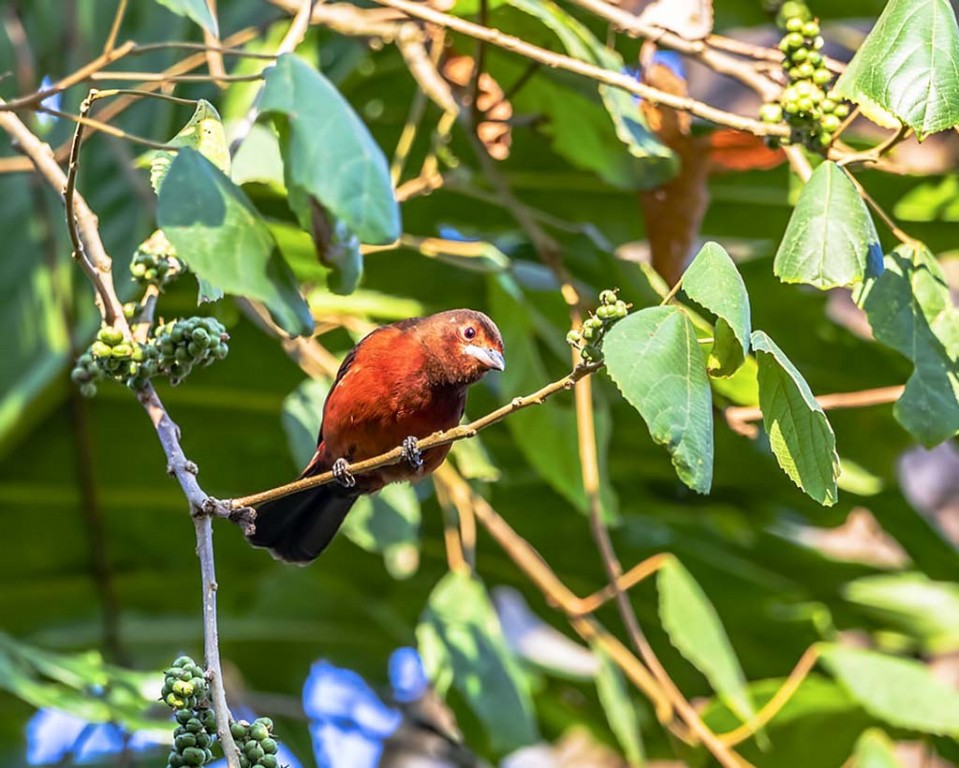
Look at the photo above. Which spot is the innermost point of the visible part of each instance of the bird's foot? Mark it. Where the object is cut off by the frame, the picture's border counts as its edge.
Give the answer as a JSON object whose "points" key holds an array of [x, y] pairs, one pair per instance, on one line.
{"points": [[411, 453], [341, 471]]}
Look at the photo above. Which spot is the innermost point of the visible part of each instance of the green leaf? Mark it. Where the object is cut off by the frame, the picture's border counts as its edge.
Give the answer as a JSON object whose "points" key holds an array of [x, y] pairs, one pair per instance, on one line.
{"points": [[195, 10], [830, 234], [800, 435], [906, 66], [654, 358], [218, 233], [620, 711], [328, 153], [875, 750], [914, 604], [910, 309], [902, 692], [461, 642], [714, 283], [658, 162], [694, 627], [204, 133]]}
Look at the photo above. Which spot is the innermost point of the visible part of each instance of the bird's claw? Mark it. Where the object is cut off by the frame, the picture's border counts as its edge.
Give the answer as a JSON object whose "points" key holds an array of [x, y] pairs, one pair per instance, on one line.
{"points": [[341, 471], [411, 453]]}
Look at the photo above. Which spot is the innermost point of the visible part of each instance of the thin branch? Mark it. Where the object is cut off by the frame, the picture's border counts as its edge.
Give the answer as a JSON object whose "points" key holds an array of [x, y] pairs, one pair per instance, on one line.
{"points": [[739, 417], [633, 25], [214, 59], [877, 152], [115, 28], [221, 50], [899, 234], [560, 61], [106, 128], [396, 455], [162, 77]]}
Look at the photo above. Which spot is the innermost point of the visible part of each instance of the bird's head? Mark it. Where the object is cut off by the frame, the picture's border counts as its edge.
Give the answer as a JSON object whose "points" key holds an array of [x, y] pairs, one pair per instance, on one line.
{"points": [[466, 343]]}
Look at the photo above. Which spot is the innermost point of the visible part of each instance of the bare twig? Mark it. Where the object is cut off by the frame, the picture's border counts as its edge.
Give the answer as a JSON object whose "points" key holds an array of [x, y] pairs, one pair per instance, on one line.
{"points": [[396, 455], [739, 417], [559, 61], [115, 28], [214, 59], [877, 152]]}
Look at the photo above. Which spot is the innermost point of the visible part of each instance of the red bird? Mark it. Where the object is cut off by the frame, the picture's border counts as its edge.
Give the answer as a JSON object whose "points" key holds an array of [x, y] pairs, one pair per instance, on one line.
{"points": [[401, 383]]}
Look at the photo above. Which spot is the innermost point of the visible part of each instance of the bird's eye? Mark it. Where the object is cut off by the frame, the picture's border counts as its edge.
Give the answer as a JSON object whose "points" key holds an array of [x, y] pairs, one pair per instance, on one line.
{"points": [[469, 332]]}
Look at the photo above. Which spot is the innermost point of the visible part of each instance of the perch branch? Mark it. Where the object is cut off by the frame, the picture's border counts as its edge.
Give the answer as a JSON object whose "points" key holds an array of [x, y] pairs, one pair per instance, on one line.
{"points": [[396, 455]]}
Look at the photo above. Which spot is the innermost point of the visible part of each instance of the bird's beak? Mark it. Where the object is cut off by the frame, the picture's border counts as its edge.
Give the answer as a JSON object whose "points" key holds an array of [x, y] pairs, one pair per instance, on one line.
{"points": [[491, 358]]}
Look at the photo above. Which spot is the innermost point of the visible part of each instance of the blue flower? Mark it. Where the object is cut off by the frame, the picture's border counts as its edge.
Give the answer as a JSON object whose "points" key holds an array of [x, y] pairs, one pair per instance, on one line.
{"points": [[336, 746], [51, 735], [50, 102], [341, 695], [407, 676]]}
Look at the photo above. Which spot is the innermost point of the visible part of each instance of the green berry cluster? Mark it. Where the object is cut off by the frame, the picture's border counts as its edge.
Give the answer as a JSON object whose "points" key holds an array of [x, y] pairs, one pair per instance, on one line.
{"points": [[188, 343], [813, 111], [186, 690], [114, 357], [256, 743], [155, 261], [589, 337]]}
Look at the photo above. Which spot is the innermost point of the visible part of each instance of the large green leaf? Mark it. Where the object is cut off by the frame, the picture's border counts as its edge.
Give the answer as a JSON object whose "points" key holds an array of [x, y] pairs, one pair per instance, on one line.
{"points": [[713, 282], [907, 67], [902, 692], [195, 10], [910, 309], [462, 643], [695, 629], [914, 604], [875, 750], [619, 708], [659, 163], [328, 153], [218, 233], [387, 522], [654, 357], [830, 237], [799, 432]]}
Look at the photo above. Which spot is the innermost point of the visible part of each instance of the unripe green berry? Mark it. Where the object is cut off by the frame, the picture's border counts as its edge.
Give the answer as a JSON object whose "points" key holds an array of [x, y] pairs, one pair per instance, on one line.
{"points": [[794, 24], [193, 756], [821, 76], [268, 761], [790, 94], [573, 338], [122, 351], [607, 297], [183, 741], [799, 55], [183, 688], [110, 335], [269, 746], [805, 104], [810, 29], [194, 726], [258, 732], [183, 716], [806, 70], [240, 730], [605, 312], [88, 390], [222, 351], [818, 43], [814, 58], [255, 752], [841, 111], [771, 113], [267, 722], [830, 123], [792, 41], [175, 701], [182, 661], [827, 106], [622, 309], [245, 762]]}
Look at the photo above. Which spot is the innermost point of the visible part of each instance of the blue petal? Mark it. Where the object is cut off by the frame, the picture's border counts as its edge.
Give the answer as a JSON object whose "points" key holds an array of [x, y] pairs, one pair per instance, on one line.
{"points": [[51, 735], [407, 676], [875, 261], [672, 61], [332, 693], [98, 741], [338, 748]]}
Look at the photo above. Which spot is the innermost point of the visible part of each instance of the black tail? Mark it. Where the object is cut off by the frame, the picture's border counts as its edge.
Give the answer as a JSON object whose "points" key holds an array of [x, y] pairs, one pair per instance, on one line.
{"points": [[299, 527]]}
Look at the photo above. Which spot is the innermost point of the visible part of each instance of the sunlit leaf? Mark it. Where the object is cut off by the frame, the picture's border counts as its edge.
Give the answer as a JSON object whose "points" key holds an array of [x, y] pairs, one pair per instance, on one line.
{"points": [[875, 750], [713, 282], [694, 627], [204, 133], [910, 309], [907, 66], [799, 432], [217, 232], [459, 631], [901, 692], [655, 359], [830, 240]]}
